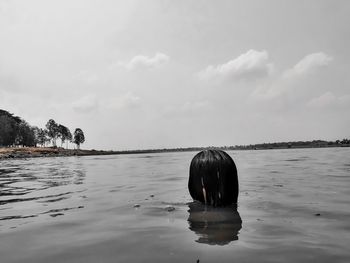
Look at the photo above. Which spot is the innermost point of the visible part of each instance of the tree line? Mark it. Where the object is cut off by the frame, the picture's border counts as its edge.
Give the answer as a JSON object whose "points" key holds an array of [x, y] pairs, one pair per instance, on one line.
{"points": [[295, 144], [15, 131]]}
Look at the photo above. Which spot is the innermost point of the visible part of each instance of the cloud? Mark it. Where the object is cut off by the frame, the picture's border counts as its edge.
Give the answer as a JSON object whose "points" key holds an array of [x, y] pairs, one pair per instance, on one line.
{"points": [[290, 83], [187, 108], [141, 61], [86, 104], [90, 103], [328, 99], [325, 99], [248, 66], [127, 100], [309, 64]]}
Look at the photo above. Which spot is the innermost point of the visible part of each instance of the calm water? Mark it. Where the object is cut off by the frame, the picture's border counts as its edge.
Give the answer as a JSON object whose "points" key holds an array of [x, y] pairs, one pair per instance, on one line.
{"points": [[294, 206]]}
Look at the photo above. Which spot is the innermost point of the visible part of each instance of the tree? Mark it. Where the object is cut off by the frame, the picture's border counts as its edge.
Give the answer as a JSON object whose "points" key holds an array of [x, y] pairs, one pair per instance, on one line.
{"points": [[35, 130], [345, 141], [15, 131], [79, 137], [52, 130], [64, 133], [41, 137], [7, 131], [9, 127], [25, 135]]}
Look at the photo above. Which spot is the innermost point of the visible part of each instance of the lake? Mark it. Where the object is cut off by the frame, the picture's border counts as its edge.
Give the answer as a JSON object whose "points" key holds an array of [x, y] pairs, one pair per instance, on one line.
{"points": [[294, 205]]}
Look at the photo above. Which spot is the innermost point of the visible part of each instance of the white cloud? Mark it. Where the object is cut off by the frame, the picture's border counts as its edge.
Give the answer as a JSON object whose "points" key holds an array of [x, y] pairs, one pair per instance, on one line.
{"points": [[290, 83], [188, 108], [250, 65], [329, 99], [141, 61], [86, 104], [325, 99], [127, 100], [266, 92], [309, 63]]}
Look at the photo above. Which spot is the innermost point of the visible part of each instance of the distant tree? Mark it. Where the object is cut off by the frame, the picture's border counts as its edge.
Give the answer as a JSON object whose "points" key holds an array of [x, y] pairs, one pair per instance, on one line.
{"points": [[10, 115], [7, 131], [52, 130], [36, 131], [9, 126], [42, 137], [25, 135], [79, 137], [15, 131], [69, 137], [345, 141], [64, 133]]}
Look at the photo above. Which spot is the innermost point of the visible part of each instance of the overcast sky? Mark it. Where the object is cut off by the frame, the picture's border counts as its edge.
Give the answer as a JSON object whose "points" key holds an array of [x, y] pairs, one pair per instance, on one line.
{"points": [[153, 74]]}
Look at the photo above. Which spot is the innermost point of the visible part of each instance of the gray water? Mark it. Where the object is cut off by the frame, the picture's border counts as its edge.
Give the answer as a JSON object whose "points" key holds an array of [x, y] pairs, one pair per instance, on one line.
{"points": [[294, 205]]}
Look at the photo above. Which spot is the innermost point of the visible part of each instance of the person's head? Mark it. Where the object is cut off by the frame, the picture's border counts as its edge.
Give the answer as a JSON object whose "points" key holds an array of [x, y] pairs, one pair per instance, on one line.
{"points": [[213, 178]]}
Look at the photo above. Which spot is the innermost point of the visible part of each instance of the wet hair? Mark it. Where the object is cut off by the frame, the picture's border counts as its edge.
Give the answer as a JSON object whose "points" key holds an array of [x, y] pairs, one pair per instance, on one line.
{"points": [[213, 178]]}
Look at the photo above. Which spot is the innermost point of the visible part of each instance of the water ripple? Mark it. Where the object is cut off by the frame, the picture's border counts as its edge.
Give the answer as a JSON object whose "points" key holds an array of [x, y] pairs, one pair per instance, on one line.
{"points": [[27, 187]]}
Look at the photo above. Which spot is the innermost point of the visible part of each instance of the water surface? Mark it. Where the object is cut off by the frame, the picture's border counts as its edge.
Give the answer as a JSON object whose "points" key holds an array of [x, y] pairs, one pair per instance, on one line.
{"points": [[293, 207]]}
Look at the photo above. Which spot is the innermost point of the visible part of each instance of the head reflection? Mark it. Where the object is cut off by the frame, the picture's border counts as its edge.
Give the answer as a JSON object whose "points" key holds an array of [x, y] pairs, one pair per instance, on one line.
{"points": [[214, 225]]}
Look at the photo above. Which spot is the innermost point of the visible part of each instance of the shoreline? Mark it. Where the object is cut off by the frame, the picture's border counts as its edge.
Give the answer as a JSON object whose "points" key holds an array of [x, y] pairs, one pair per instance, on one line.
{"points": [[35, 152]]}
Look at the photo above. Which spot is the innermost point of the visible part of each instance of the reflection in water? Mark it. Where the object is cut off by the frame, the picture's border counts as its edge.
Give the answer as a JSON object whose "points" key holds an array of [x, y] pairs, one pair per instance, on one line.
{"points": [[214, 226]]}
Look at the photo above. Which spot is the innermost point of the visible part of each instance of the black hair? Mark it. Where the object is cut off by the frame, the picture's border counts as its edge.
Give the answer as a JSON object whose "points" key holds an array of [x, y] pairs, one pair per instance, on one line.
{"points": [[213, 178]]}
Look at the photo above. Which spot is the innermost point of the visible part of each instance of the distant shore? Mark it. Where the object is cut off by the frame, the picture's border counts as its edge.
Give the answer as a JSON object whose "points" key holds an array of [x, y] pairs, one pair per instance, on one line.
{"points": [[32, 152]]}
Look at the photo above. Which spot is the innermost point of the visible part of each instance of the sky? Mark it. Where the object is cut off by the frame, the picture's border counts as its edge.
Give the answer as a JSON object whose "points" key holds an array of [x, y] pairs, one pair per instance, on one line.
{"points": [[141, 74]]}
